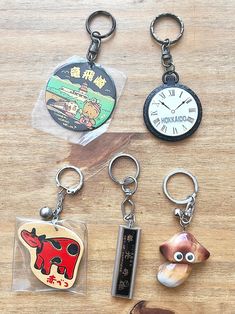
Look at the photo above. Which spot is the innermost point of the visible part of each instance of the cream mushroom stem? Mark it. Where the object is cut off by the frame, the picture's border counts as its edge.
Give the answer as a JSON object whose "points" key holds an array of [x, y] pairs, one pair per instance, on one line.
{"points": [[173, 274]]}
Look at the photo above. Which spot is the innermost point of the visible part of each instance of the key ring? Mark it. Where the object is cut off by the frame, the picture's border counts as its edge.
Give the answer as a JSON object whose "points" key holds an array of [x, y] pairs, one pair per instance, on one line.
{"points": [[112, 162], [188, 198], [170, 15], [95, 33], [73, 189]]}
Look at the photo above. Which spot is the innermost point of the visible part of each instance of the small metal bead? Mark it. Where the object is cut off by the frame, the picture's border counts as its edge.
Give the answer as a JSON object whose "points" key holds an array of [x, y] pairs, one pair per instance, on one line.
{"points": [[46, 212], [178, 212]]}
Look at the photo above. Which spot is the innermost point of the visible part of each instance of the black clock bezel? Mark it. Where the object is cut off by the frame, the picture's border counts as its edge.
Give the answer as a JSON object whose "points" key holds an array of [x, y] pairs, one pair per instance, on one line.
{"points": [[168, 137]]}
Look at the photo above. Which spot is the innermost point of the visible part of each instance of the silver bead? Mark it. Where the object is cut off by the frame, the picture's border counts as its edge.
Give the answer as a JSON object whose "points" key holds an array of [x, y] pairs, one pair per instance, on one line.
{"points": [[46, 212], [178, 212]]}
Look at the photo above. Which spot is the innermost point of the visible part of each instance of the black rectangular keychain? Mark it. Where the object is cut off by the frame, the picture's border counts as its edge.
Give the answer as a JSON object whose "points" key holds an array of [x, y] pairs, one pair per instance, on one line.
{"points": [[128, 237], [125, 261]]}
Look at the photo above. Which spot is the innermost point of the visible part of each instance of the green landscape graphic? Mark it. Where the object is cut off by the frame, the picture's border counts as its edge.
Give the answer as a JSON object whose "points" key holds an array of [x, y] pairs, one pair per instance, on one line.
{"points": [[58, 86]]}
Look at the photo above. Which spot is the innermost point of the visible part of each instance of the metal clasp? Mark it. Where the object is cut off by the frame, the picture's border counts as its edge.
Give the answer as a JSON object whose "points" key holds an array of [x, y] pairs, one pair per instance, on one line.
{"points": [[94, 47], [96, 36], [185, 215], [48, 213], [167, 60], [128, 214]]}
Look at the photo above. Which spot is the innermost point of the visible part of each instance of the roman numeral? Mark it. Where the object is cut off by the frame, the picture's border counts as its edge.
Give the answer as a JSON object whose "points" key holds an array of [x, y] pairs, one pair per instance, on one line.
{"points": [[192, 110], [190, 119], [172, 92], [162, 95], [156, 122], [175, 130], [154, 102], [154, 113], [180, 94], [188, 100], [184, 127], [164, 128]]}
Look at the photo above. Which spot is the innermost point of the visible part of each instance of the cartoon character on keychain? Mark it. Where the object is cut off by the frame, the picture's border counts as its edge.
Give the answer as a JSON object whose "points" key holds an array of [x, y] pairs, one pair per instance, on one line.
{"points": [[81, 96], [182, 250], [55, 250]]}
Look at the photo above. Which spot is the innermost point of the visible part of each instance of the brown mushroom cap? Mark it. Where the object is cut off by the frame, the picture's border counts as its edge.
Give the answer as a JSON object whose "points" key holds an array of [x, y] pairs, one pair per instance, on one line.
{"points": [[186, 244]]}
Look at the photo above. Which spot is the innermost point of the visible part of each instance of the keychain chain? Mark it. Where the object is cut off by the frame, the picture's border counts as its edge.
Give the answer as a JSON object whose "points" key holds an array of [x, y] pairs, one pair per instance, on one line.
{"points": [[167, 60], [59, 206], [46, 212], [128, 217], [94, 47], [186, 215]]}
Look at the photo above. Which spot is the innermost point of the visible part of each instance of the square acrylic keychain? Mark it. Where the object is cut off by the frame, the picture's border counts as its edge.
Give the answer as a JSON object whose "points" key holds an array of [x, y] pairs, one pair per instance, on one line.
{"points": [[80, 96], [52, 254]]}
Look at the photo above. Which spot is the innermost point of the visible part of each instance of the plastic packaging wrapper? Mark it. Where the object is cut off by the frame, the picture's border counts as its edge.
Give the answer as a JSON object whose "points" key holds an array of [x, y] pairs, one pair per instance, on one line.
{"points": [[67, 270], [75, 103]]}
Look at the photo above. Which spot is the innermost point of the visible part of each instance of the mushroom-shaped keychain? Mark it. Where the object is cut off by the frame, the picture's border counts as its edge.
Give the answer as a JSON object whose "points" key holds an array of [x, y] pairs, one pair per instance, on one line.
{"points": [[182, 250]]}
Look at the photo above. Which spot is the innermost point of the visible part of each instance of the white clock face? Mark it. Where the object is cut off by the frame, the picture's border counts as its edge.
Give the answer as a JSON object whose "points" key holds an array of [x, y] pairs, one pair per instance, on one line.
{"points": [[173, 111]]}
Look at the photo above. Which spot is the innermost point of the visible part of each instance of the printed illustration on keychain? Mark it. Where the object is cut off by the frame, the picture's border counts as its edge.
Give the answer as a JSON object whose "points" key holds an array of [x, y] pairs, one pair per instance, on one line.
{"points": [[128, 235], [81, 96], [172, 111], [55, 249], [182, 250]]}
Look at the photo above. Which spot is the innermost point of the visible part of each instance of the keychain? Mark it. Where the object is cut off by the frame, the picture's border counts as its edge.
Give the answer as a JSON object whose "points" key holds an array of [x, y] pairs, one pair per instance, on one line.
{"points": [[128, 235], [172, 111], [54, 247], [182, 250], [81, 96]]}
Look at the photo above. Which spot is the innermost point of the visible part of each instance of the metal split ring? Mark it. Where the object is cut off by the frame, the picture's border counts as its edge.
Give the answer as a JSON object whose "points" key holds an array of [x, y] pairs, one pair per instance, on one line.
{"points": [[163, 15], [188, 198], [73, 189], [124, 182], [96, 33]]}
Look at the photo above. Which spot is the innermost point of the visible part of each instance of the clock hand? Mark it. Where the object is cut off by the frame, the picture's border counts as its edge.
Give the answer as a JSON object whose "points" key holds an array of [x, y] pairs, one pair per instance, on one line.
{"points": [[164, 104], [181, 103]]}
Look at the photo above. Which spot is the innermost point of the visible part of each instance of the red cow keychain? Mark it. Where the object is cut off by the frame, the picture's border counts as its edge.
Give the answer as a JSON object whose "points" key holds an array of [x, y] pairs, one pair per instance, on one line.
{"points": [[55, 250]]}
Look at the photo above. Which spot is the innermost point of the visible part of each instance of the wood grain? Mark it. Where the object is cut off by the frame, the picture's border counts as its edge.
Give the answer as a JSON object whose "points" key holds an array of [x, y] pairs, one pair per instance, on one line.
{"points": [[37, 35]]}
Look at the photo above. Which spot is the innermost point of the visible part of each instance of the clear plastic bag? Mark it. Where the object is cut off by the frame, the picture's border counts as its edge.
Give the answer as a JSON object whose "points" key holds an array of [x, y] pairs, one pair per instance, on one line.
{"points": [[62, 267], [75, 104]]}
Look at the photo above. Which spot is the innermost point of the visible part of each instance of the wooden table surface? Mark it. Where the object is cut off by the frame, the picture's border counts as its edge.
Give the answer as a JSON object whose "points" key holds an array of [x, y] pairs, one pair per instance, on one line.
{"points": [[37, 35]]}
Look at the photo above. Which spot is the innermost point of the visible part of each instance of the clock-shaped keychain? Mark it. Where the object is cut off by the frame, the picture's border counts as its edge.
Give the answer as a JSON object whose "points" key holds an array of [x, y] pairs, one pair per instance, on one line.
{"points": [[172, 111]]}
